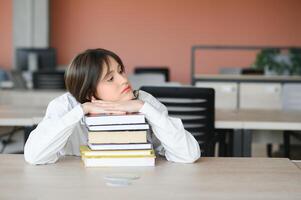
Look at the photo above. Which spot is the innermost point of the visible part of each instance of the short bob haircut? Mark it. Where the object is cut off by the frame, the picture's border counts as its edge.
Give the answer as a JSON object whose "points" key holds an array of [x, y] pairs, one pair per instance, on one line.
{"points": [[85, 71]]}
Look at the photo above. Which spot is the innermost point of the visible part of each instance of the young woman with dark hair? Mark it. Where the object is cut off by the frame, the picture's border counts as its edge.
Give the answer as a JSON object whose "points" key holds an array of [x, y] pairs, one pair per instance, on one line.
{"points": [[96, 83]]}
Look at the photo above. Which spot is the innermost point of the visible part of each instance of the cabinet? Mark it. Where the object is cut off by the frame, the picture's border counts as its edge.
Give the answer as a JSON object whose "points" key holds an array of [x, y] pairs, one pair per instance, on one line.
{"points": [[260, 96], [225, 94]]}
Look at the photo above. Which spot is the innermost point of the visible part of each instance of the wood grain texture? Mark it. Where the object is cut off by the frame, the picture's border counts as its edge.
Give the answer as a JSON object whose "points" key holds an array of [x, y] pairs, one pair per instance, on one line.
{"points": [[209, 178]]}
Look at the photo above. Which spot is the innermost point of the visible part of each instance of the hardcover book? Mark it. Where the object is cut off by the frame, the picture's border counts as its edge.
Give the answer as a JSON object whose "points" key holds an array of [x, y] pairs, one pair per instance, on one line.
{"points": [[87, 152], [119, 146], [118, 162], [103, 119], [107, 137], [119, 127]]}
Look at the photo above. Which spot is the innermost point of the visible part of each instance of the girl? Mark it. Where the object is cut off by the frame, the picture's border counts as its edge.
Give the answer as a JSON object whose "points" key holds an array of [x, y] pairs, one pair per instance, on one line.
{"points": [[96, 83]]}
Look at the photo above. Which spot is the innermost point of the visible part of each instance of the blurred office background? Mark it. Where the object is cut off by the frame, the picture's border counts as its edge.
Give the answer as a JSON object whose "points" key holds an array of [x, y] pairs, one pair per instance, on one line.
{"points": [[152, 33], [42, 36]]}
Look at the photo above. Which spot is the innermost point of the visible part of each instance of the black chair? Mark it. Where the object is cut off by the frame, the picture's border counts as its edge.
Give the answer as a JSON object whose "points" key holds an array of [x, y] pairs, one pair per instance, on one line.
{"points": [[251, 71], [153, 70], [48, 80], [195, 107]]}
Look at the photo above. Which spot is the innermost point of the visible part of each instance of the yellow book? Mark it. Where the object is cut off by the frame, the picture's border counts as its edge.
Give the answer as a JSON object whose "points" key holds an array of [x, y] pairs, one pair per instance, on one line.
{"points": [[87, 152]]}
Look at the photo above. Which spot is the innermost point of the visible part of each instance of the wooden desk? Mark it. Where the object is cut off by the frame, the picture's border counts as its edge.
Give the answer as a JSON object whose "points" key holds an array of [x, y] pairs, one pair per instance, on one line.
{"points": [[24, 107], [209, 178], [246, 78], [258, 119], [245, 120], [27, 107], [11, 115], [241, 121]]}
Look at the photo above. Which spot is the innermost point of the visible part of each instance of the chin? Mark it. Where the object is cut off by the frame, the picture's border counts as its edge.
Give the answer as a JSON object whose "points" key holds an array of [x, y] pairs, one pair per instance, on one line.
{"points": [[128, 96]]}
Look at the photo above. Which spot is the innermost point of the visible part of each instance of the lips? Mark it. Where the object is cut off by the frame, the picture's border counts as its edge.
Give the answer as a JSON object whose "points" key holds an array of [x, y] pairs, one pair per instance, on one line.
{"points": [[128, 88]]}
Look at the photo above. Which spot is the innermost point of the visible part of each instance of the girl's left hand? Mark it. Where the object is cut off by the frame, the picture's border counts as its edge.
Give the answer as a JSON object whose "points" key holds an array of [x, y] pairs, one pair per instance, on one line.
{"points": [[129, 106]]}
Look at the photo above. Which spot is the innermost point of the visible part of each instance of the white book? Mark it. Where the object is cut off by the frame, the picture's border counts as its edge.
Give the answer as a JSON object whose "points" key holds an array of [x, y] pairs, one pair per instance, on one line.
{"points": [[103, 119], [118, 162], [125, 127], [119, 146]]}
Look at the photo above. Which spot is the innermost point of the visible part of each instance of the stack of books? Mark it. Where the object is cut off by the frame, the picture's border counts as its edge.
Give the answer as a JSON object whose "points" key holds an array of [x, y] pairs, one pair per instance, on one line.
{"points": [[117, 140]]}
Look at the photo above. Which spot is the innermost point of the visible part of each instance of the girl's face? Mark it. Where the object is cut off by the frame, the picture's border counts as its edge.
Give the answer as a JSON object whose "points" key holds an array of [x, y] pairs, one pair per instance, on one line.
{"points": [[114, 85]]}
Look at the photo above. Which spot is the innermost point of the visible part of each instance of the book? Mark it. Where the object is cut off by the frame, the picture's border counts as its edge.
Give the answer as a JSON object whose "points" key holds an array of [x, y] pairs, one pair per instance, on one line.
{"points": [[106, 137], [119, 146], [119, 127], [118, 162], [87, 152], [103, 119]]}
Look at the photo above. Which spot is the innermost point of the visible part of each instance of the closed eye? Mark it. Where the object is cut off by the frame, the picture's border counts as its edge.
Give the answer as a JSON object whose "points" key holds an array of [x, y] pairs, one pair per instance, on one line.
{"points": [[120, 71]]}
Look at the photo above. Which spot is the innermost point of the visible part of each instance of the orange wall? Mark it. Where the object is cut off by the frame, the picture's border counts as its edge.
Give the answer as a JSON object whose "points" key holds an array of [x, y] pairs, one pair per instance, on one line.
{"points": [[161, 32], [6, 33]]}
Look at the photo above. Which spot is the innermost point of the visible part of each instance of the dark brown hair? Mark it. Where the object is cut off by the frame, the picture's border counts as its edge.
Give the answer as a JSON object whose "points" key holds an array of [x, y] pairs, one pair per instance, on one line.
{"points": [[85, 71]]}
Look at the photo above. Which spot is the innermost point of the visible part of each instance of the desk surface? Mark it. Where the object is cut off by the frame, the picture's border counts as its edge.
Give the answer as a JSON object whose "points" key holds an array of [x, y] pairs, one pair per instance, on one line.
{"points": [[246, 78], [21, 115], [209, 178], [258, 119]]}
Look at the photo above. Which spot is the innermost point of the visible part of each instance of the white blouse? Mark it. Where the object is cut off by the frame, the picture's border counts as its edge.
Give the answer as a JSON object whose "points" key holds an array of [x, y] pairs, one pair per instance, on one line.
{"points": [[62, 131]]}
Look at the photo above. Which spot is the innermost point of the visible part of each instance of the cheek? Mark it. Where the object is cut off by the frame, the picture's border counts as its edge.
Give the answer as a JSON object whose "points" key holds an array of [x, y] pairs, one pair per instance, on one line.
{"points": [[108, 93]]}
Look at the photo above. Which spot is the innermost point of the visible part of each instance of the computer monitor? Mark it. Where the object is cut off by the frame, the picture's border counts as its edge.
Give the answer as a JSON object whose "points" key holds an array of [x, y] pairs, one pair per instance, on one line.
{"points": [[45, 58]]}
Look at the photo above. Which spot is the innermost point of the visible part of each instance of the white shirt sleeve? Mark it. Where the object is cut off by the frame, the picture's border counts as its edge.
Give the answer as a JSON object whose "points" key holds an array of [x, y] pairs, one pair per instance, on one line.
{"points": [[179, 144], [50, 136]]}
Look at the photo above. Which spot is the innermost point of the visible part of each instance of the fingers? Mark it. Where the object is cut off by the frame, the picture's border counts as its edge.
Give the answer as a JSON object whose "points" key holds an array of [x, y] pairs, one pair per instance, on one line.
{"points": [[107, 108], [111, 112], [93, 100], [114, 112], [125, 106]]}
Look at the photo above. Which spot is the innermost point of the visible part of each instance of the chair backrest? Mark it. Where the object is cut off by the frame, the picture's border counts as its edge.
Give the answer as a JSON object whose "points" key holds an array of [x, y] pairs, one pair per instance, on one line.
{"points": [[153, 70], [48, 80], [195, 107], [291, 96]]}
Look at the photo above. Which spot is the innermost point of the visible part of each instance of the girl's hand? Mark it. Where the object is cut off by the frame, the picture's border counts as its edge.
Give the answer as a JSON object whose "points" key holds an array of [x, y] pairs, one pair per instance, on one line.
{"points": [[129, 106], [97, 108]]}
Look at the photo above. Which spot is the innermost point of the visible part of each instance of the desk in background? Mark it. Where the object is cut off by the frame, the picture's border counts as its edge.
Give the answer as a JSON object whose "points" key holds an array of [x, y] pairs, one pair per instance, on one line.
{"points": [[241, 121], [246, 120], [22, 107], [209, 178], [27, 108]]}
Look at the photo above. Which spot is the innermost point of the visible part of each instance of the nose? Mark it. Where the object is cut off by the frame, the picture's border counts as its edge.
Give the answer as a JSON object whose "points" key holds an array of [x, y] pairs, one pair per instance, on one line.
{"points": [[123, 79]]}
